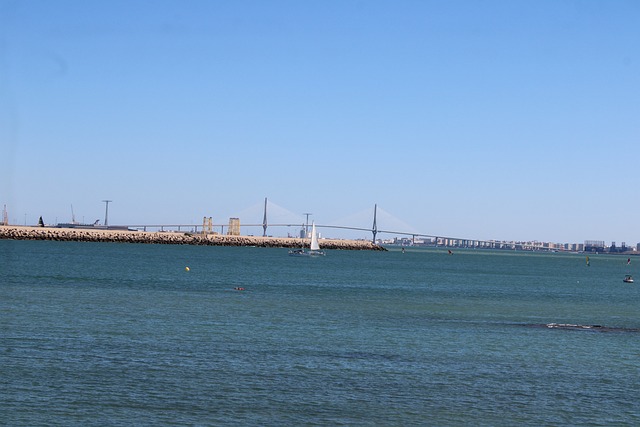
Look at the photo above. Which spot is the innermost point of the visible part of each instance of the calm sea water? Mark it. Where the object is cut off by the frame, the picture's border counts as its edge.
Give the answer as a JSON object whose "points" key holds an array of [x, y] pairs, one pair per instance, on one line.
{"points": [[121, 334]]}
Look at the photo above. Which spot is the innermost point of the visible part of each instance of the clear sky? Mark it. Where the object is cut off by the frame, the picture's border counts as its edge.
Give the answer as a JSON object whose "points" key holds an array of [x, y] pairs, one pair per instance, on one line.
{"points": [[483, 119]]}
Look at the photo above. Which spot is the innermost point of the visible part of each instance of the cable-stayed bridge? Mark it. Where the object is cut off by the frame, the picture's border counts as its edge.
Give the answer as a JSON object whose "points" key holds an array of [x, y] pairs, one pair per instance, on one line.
{"points": [[288, 220]]}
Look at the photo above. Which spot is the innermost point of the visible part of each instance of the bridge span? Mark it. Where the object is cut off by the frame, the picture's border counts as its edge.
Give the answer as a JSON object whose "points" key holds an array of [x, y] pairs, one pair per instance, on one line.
{"points": [[436, 240]]}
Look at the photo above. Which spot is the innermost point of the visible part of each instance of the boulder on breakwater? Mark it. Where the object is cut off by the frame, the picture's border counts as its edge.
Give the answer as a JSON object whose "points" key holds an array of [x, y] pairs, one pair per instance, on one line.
{"points": [[172, 238]]}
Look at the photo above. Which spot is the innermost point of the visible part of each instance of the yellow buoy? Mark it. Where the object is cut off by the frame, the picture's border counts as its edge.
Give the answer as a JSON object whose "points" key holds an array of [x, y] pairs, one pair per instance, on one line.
{"points": [[186, 269]]}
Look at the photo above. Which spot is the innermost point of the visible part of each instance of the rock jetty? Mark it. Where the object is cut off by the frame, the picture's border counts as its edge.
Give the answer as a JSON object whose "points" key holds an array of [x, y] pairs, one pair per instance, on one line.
{"points": [[171, 238]]}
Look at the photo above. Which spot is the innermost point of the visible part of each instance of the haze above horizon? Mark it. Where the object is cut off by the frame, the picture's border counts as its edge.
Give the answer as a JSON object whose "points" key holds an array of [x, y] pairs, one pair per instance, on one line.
{"points": [[480, 120]]}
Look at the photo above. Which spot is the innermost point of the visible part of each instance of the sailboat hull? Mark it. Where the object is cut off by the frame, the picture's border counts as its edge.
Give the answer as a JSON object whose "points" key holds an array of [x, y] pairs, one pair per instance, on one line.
{"points": [[302, 252]]}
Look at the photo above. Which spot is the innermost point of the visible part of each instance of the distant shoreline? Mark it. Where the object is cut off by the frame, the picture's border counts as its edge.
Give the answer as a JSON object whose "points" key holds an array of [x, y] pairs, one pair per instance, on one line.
{"points": [[8, 232]]}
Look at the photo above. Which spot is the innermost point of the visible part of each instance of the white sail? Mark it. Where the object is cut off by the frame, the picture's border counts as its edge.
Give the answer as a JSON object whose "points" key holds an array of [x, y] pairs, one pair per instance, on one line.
{"points": [[314, 238], [314, 249]]}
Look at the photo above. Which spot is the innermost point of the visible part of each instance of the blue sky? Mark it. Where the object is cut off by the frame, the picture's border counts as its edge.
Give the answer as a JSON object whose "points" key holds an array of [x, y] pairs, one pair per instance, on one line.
{"points": [[476, 119]]}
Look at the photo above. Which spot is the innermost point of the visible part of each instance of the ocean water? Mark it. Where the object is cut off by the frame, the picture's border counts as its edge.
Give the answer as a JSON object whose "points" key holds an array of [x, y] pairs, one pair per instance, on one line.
{"points": [[98, 334]]}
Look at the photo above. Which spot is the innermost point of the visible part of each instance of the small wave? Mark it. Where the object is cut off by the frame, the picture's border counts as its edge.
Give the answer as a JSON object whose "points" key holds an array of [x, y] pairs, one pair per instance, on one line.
{"points": [[577, 327]]}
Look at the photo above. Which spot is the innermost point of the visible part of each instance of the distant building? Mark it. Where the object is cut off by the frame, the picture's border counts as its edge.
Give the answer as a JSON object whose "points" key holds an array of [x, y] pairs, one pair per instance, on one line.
{"points": [[234, 227], [207, 225], [622, 248], [594, 245]]}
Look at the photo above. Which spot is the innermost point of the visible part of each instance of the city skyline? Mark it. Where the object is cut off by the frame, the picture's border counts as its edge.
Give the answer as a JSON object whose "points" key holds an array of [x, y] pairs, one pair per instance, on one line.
{"points": [[386, 224], [485, 120]]}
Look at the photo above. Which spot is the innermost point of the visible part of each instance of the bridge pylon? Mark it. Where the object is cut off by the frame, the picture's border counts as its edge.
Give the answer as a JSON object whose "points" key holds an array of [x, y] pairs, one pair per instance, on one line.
{"points": [[374, 229], [264, 220]]}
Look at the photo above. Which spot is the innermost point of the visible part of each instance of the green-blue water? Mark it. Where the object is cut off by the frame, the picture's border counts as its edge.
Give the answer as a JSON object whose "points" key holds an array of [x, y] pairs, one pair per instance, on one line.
{"points": [[121, 334]]}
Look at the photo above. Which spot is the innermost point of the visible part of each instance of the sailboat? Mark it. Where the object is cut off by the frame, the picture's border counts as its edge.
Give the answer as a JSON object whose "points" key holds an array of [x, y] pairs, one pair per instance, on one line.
{"points": [[314, 249]]}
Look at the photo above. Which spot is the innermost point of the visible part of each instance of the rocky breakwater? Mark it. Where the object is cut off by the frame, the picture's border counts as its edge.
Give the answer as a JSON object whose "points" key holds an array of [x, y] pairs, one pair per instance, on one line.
{"points": [[171, 238]]}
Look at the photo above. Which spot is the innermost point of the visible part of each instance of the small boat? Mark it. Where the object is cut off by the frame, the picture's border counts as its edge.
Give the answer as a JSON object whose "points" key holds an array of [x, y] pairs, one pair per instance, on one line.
{"points": [[314, 250], [628, 279]]}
